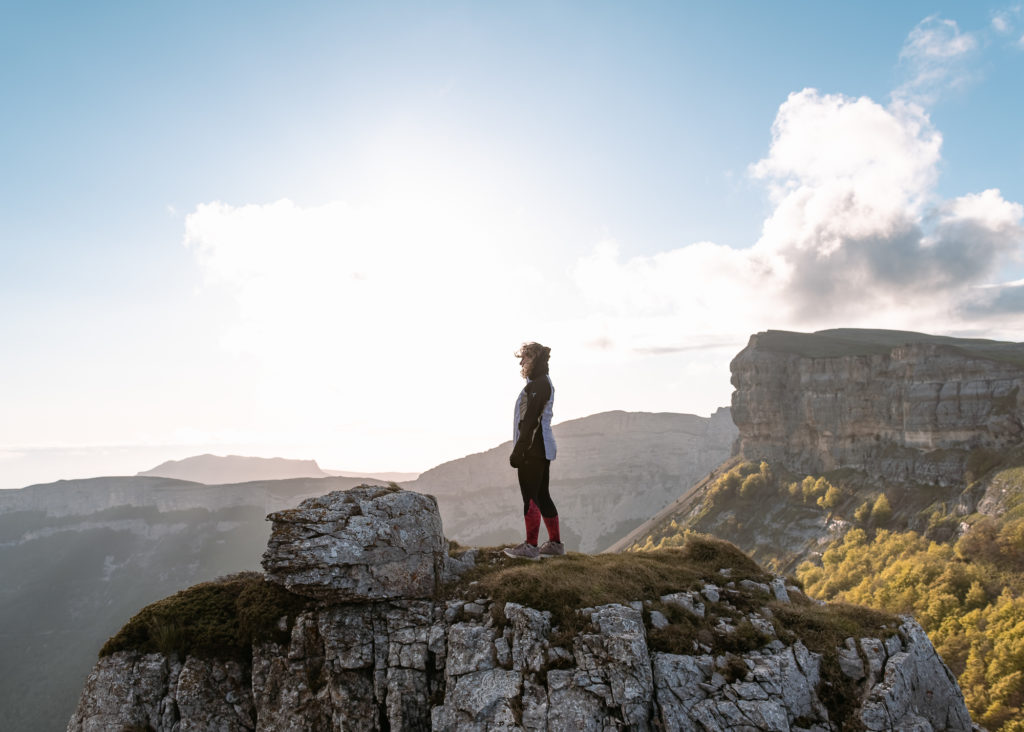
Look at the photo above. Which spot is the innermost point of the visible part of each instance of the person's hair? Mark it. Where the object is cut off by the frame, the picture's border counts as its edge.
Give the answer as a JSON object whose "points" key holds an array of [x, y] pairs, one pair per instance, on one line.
{"points": [[536, 359]]}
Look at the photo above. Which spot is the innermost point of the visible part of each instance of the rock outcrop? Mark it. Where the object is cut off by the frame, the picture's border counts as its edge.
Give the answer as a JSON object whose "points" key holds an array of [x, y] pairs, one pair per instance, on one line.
{"points": [[368, 543], [134, 540], [903, 407], [80, 556], [471, 663]]}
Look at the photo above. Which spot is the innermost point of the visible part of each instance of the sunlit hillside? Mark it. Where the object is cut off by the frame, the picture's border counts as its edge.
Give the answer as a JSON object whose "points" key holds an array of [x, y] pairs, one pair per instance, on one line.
{"points": [[952, 559]]}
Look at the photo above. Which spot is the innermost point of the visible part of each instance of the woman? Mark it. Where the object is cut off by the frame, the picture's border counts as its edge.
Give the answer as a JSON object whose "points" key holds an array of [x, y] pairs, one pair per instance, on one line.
{"points": [[533, 451]]}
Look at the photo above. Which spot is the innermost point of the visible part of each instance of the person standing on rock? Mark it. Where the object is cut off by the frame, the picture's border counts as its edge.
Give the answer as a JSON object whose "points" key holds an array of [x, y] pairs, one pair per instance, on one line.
{"points": [[532, 453]]}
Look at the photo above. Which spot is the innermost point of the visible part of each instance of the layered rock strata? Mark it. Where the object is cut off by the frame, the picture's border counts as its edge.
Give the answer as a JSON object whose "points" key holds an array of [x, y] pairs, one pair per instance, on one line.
{"points": [[458, 664], [898, 406]]}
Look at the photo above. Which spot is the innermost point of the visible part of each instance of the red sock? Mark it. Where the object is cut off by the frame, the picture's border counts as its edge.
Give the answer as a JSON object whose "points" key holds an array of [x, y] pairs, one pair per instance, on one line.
{"points": [[552, 524], [532, 524]]}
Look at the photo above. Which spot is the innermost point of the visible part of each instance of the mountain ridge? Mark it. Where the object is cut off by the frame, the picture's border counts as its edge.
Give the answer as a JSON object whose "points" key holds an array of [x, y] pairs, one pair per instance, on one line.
{"points": [[601, 460], [210, 469], [126, 541]]}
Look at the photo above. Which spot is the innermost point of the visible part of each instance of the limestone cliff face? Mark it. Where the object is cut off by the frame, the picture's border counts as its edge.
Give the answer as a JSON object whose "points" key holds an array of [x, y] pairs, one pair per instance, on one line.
{"points": [[897, 406], [418, 665], [355, 661]]}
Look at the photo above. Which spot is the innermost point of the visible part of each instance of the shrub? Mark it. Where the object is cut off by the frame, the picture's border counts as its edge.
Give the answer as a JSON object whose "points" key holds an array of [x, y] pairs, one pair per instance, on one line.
{"points": [[220, 619], [881, 512], [812, 489], [752, 484], [831, 498]]}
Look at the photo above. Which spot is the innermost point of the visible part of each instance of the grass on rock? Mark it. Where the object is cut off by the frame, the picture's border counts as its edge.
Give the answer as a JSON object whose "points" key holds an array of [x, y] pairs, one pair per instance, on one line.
{"points": [[219, 619], [564, 584], [224, 618]]}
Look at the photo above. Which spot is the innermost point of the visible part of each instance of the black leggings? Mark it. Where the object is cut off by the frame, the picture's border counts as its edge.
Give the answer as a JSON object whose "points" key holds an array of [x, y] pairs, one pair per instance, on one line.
{"points": [[533, 484]]}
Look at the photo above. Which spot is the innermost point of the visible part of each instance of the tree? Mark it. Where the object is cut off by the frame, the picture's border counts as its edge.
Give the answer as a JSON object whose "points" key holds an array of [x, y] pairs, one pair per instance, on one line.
{"points": [[976, 596], [831, 498], [752, 484], [881, 512]]}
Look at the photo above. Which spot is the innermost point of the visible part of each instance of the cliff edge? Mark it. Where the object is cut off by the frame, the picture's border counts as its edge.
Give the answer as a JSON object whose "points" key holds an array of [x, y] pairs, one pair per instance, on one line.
{"points": [[365, 620], [899, 406]]}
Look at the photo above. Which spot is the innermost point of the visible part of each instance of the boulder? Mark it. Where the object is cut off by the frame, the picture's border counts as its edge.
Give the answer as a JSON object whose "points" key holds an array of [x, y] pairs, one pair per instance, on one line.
{"points": [[366, 543]]}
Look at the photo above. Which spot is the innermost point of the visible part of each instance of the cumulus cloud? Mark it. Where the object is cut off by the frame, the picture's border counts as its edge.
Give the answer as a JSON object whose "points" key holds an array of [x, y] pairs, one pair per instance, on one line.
{"points": [[934, 58], [857, 236], [360, 305]]}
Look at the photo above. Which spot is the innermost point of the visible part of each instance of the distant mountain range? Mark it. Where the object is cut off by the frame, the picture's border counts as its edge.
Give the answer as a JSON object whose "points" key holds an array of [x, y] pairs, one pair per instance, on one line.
{"points": [[218, 470], [80, 557]]}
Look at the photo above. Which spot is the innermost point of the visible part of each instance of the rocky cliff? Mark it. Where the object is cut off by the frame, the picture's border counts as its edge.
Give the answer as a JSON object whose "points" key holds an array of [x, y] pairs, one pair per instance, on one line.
{"points": [[362, 623], [77, 557], [614, 470], [903, 407], [915, 417]]}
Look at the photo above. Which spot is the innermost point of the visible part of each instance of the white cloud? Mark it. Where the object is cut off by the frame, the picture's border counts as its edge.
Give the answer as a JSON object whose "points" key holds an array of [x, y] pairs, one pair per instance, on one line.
{"points": [[1005, 21], [936, 38], [934, 59], [373, 312], [858, 236]]}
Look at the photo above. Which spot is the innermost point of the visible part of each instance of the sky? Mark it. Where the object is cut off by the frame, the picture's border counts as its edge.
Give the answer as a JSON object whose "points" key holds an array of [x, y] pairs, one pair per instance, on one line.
{"points": [[321, 230]]}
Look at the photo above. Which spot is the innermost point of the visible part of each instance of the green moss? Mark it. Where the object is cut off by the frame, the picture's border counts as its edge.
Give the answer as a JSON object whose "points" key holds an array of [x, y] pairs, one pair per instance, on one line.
{"points": [[575, 581], [220, 619]]}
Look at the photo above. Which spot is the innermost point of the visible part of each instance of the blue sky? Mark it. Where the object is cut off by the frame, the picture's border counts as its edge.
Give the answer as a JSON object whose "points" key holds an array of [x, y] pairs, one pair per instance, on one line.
{"points": [[282, 229]]}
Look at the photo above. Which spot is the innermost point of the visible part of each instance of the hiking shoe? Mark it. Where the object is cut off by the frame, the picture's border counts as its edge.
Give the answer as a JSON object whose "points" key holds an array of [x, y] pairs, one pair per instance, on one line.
{"points": [[523, 551], [552, 549]]}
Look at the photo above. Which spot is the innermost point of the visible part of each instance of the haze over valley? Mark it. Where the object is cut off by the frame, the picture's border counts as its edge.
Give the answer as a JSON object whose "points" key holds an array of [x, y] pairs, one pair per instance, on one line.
{"points": [[93, 552]]}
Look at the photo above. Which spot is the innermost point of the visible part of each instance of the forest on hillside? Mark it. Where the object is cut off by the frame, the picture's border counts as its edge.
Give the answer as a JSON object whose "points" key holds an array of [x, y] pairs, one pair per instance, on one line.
{"points": [[960, 576]]}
